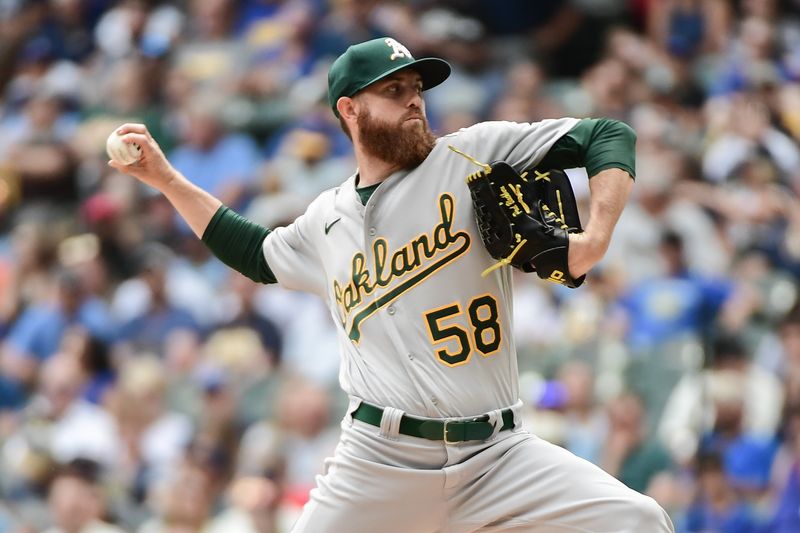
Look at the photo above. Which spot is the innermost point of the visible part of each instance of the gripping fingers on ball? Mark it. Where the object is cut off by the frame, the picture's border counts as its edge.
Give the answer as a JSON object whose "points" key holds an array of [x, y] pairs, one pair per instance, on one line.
{"points": [[133, 127], [135, 138]]}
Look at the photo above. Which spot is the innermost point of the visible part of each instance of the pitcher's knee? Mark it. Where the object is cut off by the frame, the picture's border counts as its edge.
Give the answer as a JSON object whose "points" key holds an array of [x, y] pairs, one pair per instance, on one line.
{"points": [[651, 516]]}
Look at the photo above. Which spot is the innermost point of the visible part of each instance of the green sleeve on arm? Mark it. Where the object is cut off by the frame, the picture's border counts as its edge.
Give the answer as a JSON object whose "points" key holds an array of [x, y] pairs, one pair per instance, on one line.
{"points": [[597, 144], [237, 242]]}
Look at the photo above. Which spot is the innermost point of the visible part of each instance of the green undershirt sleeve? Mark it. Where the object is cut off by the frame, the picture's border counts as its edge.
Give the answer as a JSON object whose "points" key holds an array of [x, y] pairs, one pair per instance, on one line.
{"points": [[596, 144], [236, 241]]}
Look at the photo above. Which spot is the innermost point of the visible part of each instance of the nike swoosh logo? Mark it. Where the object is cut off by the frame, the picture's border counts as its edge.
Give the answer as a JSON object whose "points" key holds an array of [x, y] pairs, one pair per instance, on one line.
{"points": [[329, 226]]}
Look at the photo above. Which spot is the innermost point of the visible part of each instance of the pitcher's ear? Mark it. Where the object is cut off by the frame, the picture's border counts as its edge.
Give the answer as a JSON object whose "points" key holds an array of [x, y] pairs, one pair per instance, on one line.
{"points": [[346, 107]]}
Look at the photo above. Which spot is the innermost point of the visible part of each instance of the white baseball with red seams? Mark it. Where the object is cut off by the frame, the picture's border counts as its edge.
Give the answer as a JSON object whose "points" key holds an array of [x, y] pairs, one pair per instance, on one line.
{"points": [[120, 151]]}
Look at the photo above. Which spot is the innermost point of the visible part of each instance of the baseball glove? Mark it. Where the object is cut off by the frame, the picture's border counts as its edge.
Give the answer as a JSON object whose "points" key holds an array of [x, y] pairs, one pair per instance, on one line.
{"points": [[525, 219]]}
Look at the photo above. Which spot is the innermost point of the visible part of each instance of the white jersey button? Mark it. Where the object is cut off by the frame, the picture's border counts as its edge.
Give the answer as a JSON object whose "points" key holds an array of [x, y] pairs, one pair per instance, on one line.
{"points": [[411, 356], [390, 309], [435, 401], [372, 232]]}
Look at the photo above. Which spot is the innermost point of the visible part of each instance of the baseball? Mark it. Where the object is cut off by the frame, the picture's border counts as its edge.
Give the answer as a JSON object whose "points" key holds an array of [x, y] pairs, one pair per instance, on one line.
{"points": [[121, 152]]}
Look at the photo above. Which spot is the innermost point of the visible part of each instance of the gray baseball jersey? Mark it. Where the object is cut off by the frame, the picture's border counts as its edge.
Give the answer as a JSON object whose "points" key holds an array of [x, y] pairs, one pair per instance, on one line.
{"points": [[421, 330]]}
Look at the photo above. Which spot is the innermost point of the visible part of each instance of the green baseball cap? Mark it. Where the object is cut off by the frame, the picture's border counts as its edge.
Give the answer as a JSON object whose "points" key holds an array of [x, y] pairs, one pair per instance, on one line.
{"points": [[365, 63]]}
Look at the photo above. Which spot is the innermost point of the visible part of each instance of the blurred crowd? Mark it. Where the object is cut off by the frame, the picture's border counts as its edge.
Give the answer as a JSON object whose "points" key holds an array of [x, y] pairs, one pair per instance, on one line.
{"points": [[146, 387]]}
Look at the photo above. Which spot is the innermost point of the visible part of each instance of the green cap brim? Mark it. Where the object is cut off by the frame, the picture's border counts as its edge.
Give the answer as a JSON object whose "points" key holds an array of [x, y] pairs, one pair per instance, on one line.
{"points": [[432, 70]]}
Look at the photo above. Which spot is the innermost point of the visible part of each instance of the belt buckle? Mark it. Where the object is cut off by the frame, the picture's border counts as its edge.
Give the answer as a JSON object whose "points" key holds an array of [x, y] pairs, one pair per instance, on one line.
{"points": [[447, 422], [459, 421]]}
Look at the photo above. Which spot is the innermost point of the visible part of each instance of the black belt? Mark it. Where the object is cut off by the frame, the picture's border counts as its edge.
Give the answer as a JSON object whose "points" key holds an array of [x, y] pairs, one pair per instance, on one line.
{"points": [[448, 430]]}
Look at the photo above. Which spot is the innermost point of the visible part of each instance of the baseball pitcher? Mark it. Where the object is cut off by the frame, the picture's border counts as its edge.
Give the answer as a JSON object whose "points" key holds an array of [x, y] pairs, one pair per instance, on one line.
{"points": [[413, 255]]}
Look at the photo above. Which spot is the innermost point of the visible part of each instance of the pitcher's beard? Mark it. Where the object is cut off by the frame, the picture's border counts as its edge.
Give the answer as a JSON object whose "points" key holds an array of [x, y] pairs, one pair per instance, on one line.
{"points": [[405, 145]]}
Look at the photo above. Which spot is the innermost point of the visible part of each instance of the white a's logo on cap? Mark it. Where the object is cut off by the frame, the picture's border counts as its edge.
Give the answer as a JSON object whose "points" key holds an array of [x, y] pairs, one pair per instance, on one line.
{"points": [[398, 50]]}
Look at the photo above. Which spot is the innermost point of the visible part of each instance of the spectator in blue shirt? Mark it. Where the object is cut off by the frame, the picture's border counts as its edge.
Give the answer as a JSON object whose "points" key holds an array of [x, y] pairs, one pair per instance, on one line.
{"points": [[717, 506], [679, 303], [38, 332], [786, 476], [220, 162], [151, 328]]}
